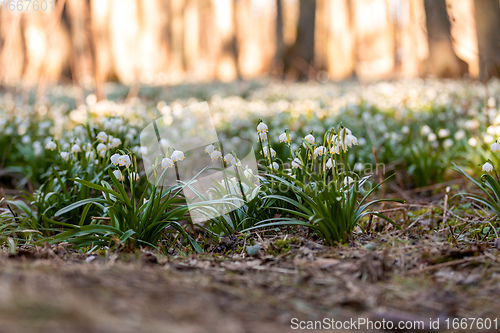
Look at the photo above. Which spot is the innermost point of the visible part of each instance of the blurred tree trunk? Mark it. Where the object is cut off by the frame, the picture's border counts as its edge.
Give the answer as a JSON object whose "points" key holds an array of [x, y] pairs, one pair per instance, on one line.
{"points": [[341, 42], [191, 35], [442, 61], [487, 15], [226, 63], [277, 67], [176, 36], [300, 57]]}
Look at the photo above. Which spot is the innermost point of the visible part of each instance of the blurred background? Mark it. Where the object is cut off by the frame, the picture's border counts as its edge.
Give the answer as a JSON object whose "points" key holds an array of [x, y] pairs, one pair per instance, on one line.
{"points": [[89, 42]]}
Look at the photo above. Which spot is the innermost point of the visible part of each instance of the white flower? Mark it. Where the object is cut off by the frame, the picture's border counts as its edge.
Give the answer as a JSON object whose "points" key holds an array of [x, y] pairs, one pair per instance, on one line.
{"points": [[443, 133], [235, 162], [448, 143], [229, 158], [310, 138], [491, 102], [267, 149], [335, 149], [488, 138], [487, 167], [103, 137], [115, 159], [90, 155], [51, 145], [459, 135], [115, 142], [274, 166], [118, 175], [26, 140], [65, 155], [346, 130], [285, 138], [330, 163], [124, 160], [350, 140], [297, 163], [405, 130], [101, 148], [248, 172], [216, 155], [495, 147], [163, 143], [348, 180], [263, 137], [432, 137], [177, 155], [76, 149], [167, 163], [209, 149], [262, 128], [472, 142], [134, 176], [320, 151], [425, 130]]}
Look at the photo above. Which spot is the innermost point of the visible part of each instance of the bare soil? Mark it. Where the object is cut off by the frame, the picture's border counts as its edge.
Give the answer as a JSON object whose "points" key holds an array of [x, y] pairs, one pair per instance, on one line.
{"points": [[395, 276]]}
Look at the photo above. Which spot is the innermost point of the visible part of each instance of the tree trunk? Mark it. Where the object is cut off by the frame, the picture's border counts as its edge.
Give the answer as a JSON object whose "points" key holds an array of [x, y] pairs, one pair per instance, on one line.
{"points": [[442, 61], [277, 67], [487, 15], [300, 58]]}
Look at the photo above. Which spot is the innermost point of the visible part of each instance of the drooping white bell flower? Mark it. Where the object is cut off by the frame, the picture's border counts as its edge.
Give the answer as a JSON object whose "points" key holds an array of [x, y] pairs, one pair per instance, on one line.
{"points": [[319, 151], [216, 155], [101, 148], [310, 138], [274, 166], [229, 158], [76, 149], [330, 163], [115, 142], [102, 136], [297, 163], [134, 176], [177, 155], [425, 130], [284, 137], [348, 180], [350, 140], [448, 143], [235, 162], [209, 149], [335, 149], [51, 145], [124, 160], [443, 133], [495, 146], [248, 172], [263, 137], [266, 151], [118, 174], [167, 163], [459, 135], [65, 155], [115, 159], [488, 167], [90, 155], [262, 128]]}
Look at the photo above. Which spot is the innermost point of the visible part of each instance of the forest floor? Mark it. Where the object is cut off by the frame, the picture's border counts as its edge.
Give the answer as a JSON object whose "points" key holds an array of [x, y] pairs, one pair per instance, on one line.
{"points": [[398, 276]]}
